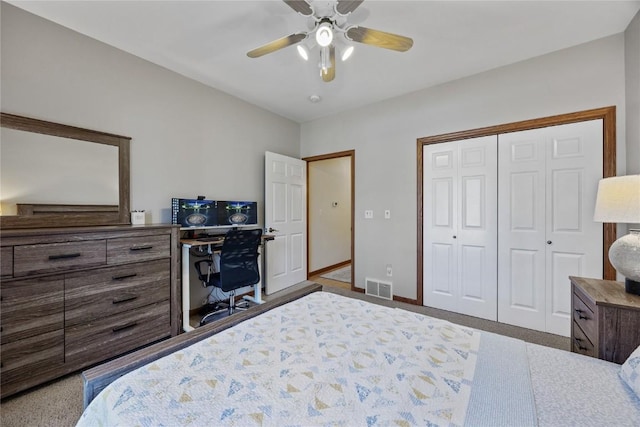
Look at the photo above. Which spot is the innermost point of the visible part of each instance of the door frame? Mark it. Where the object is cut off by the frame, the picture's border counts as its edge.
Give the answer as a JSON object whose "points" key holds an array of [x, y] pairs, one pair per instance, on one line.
{"points": [[352, 155], [608, 116]]}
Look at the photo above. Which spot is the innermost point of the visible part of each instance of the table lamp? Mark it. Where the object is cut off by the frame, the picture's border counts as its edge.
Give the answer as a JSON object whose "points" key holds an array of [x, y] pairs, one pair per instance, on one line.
{"points": [[618, 200]]}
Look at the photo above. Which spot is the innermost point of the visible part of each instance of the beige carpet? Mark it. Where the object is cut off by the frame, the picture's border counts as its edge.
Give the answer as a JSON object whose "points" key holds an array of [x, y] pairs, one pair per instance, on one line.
{"points": [[57, 404]]}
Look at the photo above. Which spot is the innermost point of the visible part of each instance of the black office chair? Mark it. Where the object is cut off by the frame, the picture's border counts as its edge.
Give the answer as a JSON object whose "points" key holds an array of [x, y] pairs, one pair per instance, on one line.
{"points": [[238, 268]]}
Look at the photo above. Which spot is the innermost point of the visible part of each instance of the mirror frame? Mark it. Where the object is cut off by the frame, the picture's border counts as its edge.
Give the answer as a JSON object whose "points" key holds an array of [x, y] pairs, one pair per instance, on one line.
{"points": [[73, 215]]}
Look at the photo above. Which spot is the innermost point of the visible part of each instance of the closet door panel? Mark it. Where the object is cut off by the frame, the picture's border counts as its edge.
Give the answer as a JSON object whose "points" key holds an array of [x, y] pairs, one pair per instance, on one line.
{"points": [[440, 205], [548, 180], [477, 230], [574, 167], [460, 226], [521, 229]]}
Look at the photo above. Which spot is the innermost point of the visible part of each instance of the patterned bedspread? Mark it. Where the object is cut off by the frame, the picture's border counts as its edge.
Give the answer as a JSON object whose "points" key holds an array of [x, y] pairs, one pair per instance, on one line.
{"points": [[321, 360]]}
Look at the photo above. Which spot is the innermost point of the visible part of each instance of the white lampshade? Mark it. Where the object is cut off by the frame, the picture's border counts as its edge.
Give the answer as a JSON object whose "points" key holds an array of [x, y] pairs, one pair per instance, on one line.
{"points": [[618, 200]]}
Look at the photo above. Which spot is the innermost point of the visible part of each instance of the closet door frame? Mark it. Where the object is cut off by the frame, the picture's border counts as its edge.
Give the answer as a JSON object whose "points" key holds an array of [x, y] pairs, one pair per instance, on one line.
{"points": [[608, 116]]}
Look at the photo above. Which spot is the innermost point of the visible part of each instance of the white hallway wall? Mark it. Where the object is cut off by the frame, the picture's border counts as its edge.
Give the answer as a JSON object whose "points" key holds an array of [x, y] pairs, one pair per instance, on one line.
{"points": [[384, 137], [329, 226], [188, 139]]}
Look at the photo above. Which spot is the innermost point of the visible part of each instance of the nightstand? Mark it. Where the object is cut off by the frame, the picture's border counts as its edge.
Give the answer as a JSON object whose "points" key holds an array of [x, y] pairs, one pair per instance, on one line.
{"points": [[606, 319]]}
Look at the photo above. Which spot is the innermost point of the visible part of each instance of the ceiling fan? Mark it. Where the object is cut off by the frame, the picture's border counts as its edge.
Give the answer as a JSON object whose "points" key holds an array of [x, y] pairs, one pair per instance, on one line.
{"points": [[328, 21]]}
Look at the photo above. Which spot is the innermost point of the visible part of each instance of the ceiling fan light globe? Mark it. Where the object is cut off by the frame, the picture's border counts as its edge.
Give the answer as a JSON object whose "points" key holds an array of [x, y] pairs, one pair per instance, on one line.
{"points": [[303, 52], [324, 34], [347, 53]]}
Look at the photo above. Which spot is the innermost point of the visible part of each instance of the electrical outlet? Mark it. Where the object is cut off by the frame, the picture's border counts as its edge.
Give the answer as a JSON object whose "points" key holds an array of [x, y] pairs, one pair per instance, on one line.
{"points": [[387, 214], [368, 214], [389, 270]]}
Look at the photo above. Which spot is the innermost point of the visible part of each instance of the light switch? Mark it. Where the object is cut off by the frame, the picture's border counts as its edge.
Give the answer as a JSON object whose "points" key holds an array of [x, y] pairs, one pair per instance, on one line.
{"points": [[387, 214], [368, 214]]}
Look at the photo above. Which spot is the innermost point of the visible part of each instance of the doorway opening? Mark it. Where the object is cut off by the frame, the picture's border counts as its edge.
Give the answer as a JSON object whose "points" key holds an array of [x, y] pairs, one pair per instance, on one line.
{"points": [[330, 219]]}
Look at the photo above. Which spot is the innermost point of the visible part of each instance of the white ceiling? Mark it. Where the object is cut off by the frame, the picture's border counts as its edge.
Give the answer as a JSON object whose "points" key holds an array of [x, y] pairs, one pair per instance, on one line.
{"points": [[208, 40]]}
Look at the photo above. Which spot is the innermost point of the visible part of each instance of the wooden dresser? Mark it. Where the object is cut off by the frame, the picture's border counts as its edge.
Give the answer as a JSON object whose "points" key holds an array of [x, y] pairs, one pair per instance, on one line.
{"points": [[606, 319], [72, 297]]}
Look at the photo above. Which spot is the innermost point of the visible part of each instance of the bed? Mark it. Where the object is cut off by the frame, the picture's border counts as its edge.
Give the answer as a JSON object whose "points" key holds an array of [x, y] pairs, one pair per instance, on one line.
{"points": [[325, 359]]}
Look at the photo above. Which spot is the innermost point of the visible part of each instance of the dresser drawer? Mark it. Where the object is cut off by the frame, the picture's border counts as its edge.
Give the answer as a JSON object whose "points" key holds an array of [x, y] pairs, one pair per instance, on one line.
{"points": [[96, 341], [53, 257], [584, 316], [142, 248], [6, 261], [101, 293], [32, 356], [31, 307], [581, 344]]}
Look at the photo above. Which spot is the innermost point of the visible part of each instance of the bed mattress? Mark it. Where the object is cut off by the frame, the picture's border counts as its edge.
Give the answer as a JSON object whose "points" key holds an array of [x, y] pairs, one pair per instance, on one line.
{"points": [[326, 359]]}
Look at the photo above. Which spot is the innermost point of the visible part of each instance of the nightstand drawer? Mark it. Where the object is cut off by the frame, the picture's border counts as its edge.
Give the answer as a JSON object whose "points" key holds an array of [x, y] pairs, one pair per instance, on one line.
{"points": [[108, 337], [584, 316], [31, 307], [115, 290], [134, 249], [581, 344], [54, 257]]}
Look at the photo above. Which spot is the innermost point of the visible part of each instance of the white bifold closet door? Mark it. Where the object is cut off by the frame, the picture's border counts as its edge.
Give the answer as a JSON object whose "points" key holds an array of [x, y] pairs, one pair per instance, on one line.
{"points": [[460, 226], [548, 179]]}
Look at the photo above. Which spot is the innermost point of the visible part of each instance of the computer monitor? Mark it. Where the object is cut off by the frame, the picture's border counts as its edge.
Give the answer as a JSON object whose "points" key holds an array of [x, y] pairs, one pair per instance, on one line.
{"points": [[193, 213], [233, 213]]}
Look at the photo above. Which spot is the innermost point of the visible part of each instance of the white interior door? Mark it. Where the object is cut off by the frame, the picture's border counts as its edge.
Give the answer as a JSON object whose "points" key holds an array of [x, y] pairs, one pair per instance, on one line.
{"points": [[548, 181], [574, 240], [460, 244], [285, 218], [521, 237], [478, 227], [440, 213]]}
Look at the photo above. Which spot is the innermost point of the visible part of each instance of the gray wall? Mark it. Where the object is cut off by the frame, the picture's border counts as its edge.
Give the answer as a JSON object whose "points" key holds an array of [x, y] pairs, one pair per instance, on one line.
{"points": [[632, 77], [188, 139], [384, 138]]}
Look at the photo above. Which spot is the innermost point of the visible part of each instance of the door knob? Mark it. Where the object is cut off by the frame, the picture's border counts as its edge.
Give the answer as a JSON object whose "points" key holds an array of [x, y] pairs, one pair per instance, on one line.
{"points": [[271, 230], [549, 242], [455, 237]]}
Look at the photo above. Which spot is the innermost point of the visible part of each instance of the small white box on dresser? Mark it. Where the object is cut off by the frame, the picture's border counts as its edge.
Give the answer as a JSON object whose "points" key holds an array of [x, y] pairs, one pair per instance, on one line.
{"points": [[137, 218]]}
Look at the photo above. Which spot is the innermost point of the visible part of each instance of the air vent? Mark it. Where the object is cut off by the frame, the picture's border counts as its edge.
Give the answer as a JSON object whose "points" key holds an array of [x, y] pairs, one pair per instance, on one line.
{"points": [[378, 288]]}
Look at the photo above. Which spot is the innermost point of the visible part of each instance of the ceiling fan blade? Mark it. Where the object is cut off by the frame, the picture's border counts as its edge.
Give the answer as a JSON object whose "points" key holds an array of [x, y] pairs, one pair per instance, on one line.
{"points": [[330, 73], [344, 7], [300, 6], [276, 45], [380, 39]]}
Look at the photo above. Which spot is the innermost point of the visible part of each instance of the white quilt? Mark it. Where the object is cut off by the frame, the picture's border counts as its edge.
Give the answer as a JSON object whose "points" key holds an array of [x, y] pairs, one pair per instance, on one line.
{"points": [[321, 360]]}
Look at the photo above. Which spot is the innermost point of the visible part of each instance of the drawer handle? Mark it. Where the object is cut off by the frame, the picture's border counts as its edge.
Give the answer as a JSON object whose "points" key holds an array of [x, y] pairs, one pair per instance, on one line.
{"points": [[124, 299], [141, 248], [124, 276], [580, 316], [64, 256], [123, 327], [579, 345]]}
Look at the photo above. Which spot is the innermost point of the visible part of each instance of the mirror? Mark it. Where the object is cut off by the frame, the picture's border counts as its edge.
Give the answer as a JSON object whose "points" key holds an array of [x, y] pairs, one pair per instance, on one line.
{"points": [[54, 175]]}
